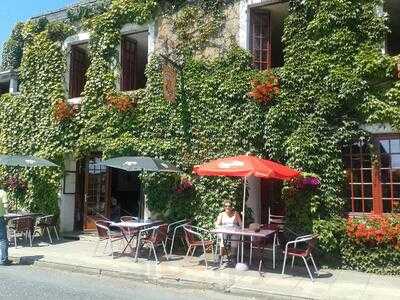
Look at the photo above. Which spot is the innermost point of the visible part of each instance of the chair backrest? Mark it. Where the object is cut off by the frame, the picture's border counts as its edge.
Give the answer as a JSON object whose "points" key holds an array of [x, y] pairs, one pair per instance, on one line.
{"points": [[128, 219], [310, 240], [48, 220], [275, 219], [311, 244], [189, 235], [23, 223], [193, 234], [180, 223], [159, 233], [103, 228]]}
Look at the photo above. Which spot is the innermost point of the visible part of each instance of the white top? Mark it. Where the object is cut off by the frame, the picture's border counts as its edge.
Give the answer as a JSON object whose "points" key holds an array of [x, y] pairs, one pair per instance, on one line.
{"points": [[3, 202], [228, 221]]}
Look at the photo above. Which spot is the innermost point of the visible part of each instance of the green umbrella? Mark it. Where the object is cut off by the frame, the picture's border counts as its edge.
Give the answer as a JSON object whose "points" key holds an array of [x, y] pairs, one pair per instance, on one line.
{"points": [[25, 161], [139, 163]]}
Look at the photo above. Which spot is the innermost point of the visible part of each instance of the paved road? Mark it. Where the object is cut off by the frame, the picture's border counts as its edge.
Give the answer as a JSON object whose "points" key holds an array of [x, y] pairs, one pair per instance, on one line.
{"points": [[29, 282]]}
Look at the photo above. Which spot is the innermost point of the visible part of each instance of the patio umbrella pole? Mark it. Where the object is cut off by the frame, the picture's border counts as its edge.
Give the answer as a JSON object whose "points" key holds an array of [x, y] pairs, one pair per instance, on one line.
{"points": [[243, 211]]}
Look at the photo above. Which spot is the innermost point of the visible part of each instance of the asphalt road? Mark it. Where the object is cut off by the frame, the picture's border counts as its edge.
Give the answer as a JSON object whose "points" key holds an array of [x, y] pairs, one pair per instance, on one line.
{"points": [[30, 282]]}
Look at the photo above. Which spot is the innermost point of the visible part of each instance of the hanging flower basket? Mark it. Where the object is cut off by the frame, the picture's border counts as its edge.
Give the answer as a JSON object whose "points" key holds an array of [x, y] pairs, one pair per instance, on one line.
{"points": [[63, 111], [120, 101], [265, 87]]}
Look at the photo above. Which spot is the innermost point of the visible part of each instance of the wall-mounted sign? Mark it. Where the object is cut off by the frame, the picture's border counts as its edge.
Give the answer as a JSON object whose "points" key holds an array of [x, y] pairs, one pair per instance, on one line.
{"points": [[169, 78]]}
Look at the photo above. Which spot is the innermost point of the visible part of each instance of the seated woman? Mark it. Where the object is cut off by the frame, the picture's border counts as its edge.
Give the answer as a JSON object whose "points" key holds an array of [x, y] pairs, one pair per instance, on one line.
{"points": [[228, 218]]}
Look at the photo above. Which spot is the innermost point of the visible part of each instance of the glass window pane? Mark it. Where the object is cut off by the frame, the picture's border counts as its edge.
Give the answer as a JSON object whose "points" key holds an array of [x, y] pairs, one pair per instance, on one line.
{"points": [[384, 146], [396, 205], [385, 161], [348, 191], [357, 176], [395, 161], [367, 190], [356, 162], [396, 175], [357, 190], [366, 161], [387, 206], [357, 205], [396, 190], [385, 176], [368, 205], [367, 176], [386, 191], [395, 146]]}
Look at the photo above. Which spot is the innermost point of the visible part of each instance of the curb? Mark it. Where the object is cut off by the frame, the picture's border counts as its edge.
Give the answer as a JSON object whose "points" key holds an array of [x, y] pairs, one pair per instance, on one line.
{"points": [[165, 281]]}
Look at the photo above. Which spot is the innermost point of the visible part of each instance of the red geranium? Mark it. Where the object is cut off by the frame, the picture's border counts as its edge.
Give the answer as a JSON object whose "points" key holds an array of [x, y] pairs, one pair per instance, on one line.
{"points": [[375, 230]]}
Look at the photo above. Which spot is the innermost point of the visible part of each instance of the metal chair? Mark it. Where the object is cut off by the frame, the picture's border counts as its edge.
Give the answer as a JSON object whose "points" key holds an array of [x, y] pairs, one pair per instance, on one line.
{"points": [[174, 227], [105, 234], [275, 219], [262, 244], [23, 227], [155, 239], [292, 250], [45, 223], [195, 237]]}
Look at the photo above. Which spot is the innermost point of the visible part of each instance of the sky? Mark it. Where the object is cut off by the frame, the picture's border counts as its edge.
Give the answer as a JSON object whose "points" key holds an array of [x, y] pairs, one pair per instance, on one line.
{"points": [[12, 11]]}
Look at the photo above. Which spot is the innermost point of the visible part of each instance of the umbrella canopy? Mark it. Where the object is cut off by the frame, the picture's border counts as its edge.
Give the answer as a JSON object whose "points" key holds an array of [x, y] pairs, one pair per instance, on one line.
{"points": [[25, 161], [245, 166], [139, 163]]}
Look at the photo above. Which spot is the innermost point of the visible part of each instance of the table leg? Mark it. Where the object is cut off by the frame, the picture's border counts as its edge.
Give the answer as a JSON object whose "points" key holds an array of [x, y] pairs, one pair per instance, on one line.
{"points": [[137, 247], [128, 242]]}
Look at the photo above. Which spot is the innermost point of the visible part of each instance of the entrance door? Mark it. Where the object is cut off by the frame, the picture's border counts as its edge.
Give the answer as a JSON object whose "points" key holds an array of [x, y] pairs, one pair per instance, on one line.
{"points": [[96, 193]]}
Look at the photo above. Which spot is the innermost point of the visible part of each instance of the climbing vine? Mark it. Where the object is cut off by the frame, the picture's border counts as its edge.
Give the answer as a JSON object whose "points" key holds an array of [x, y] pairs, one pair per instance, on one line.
{"points": [[330, 84]]}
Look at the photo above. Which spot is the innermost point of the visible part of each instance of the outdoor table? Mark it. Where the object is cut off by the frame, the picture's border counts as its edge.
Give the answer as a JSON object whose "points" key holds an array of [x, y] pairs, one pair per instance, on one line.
{"points": [[135, 225], [263, 233], [11, 216]]}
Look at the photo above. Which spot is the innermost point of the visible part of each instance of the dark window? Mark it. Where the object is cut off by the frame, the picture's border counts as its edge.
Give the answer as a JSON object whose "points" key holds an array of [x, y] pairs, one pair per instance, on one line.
{"points": [[260, 38], [79, 64], [392, 8], [373, 186], [128, 64]]}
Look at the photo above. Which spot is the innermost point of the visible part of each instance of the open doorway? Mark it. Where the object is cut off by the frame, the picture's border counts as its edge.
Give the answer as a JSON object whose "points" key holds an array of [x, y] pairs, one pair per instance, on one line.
{"points": [[125, 194]]}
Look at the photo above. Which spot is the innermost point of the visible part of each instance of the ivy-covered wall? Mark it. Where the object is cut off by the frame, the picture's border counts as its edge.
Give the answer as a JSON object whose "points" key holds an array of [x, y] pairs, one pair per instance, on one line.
{"points": [[329, 86]]}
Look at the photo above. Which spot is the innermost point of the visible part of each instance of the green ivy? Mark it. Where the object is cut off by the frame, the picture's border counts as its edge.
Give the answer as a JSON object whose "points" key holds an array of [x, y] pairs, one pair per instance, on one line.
{"points": [[335, 78]]}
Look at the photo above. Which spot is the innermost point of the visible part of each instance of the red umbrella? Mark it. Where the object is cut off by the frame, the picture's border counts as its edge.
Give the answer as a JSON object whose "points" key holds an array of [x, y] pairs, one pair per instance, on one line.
{"points": [[245, 166]]}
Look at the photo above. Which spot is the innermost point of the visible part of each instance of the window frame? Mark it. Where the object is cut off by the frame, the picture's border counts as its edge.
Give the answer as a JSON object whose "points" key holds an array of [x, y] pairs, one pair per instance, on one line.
{"points": [[124, 85], [73, 84], [256, 12], [376, 171]]}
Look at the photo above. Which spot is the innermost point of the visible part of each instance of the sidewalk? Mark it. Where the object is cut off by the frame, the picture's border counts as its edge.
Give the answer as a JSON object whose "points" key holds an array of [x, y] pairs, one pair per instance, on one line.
{"points": [[77, 256]]}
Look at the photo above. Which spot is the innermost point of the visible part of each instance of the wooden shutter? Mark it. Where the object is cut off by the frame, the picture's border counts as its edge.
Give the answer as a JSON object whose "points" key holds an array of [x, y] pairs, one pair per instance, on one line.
{"points": [[128, 64], [79, 65], [260, 38]]}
